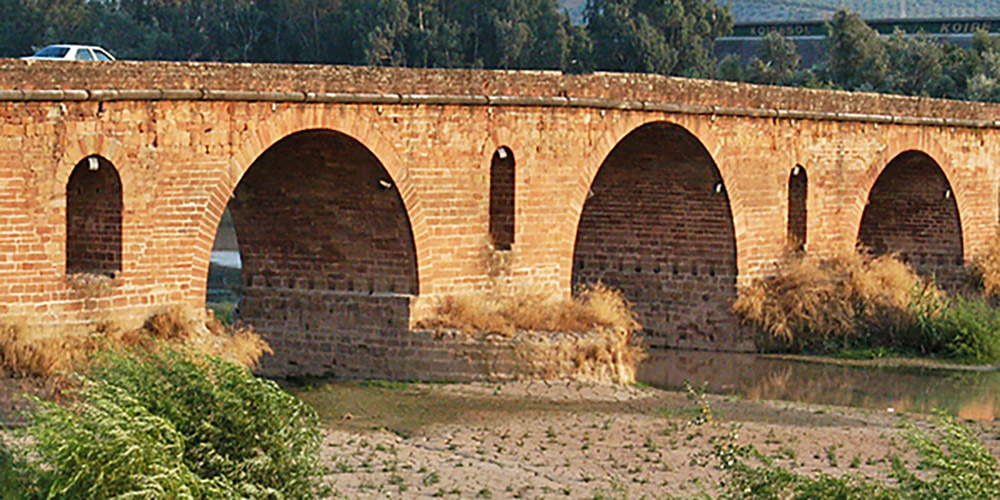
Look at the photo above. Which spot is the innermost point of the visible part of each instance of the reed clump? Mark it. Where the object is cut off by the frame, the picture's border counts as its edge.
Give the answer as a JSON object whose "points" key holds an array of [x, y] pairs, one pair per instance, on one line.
{"points": [[984, 269], [513, 309], [45, 353], [848, 300], [590, 336]]}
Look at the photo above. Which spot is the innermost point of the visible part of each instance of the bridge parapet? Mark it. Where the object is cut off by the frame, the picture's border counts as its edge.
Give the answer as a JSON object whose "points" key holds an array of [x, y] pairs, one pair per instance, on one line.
{"points": [[316, 83]]}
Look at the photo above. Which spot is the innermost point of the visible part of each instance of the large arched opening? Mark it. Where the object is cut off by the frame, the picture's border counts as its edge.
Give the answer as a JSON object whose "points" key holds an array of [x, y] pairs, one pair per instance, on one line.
{"points": [[325, 247], [911, 211], [94, 218], [657, 224]]}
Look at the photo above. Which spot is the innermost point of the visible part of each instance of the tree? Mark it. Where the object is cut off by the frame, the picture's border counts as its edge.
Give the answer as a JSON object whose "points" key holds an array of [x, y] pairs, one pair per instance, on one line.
{"points": [[503, 34], [917, 66], [673, 37], [366, 32], [857, 56], [19, 29], [777, 61]]}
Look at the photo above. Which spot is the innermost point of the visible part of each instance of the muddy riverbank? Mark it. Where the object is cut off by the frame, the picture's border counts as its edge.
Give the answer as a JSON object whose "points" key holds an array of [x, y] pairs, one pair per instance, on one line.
{"points": [[571, 440]]}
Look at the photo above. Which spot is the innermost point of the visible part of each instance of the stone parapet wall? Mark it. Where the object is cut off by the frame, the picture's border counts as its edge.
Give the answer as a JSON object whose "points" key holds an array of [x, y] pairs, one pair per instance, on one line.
{"points": [[17, 74]]}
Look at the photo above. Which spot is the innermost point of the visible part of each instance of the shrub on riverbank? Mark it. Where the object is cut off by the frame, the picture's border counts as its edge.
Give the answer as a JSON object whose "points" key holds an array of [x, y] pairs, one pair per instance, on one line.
{"points": [[813, 304], [857, 301], [169, 424], [26, 352], [598, 329], [964, 328], [512, 309], [984, 269], [953, 462]]}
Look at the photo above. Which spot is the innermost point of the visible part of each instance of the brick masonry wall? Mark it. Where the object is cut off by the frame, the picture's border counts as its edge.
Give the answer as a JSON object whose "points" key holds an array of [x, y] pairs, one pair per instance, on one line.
{"points": [[180, 162]]}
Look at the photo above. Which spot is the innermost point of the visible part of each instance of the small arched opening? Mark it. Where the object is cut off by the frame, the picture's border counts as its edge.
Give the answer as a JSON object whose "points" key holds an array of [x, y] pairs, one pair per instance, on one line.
{"points": [[94, 218], [798, 191], [502, 168]]}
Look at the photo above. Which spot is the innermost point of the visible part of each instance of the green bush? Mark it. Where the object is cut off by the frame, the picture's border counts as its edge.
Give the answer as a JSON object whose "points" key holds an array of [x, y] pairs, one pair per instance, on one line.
{"points": [[959, 468], [969, 329], [963, 468], [15, 475], [175, 425]]}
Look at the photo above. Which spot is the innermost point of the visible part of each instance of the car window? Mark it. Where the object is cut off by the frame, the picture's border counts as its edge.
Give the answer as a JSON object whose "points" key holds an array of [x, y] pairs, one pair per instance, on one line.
{"points": [[102, 55], [84, 55], [54, 52]]}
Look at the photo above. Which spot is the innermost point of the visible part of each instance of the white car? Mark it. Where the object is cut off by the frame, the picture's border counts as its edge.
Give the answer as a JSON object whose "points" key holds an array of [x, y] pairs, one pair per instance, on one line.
{"points": [[71, 53]]}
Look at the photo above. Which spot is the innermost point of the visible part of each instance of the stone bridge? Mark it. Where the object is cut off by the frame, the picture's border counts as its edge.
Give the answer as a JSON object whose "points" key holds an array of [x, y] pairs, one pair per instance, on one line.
{"points": [[360, 196]]}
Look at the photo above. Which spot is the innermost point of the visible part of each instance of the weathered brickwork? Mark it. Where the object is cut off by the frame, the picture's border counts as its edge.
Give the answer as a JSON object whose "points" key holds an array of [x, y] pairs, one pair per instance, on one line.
{"points": [[354, 216]]}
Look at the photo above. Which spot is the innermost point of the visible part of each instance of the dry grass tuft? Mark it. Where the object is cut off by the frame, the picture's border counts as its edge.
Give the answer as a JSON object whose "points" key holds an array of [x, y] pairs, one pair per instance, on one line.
{"points": [[520, 309], [89, 285], [809, 301], [591, 336], [27, 353], [985, 269], [607, 355]]}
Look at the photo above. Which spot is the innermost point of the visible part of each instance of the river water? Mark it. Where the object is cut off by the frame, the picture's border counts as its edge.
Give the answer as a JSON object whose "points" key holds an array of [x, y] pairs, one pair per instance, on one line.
{"points": [[971, 394], [228, 258]]}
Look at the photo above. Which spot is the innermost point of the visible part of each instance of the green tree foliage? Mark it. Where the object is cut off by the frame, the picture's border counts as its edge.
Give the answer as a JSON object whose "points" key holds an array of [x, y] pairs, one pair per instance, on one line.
{"points": [[917, 65], [673, 37], [670, 37], [14, 38], [858, 58], [777, 61]]}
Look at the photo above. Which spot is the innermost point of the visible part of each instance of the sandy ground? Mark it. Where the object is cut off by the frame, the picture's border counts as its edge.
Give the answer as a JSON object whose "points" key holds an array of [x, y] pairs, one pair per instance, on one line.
{"points": [[567, 440]]}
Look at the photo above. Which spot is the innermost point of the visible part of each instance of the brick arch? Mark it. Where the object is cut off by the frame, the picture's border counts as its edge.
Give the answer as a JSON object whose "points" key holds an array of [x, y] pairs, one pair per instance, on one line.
{"points": [[349, 121], [797, 213], [712, 143], [96, 145], [502, 198], [895, 146], [328, 249], [912, 210], [523, 153], [657, 223]]}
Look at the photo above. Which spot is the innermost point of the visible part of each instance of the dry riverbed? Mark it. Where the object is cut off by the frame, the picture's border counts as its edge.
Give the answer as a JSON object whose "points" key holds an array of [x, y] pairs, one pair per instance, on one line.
{"points": [[570, 440]]}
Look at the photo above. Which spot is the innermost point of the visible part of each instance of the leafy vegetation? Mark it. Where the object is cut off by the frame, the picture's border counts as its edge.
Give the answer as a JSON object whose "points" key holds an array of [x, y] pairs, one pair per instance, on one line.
{"points": [[656, 37], [859, 305], [674, 37], [953, 465], [168, 424]]}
